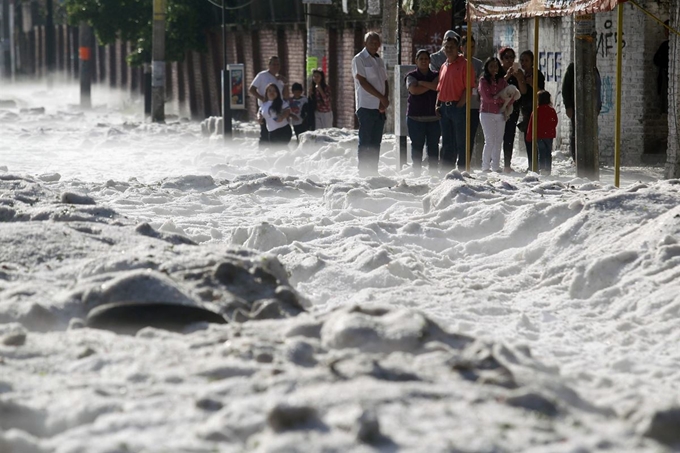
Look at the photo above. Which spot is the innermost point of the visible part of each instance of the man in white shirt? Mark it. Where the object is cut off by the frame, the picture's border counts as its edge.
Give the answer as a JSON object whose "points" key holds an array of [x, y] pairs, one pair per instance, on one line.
{"points": [[258, 90], [371, 97]]}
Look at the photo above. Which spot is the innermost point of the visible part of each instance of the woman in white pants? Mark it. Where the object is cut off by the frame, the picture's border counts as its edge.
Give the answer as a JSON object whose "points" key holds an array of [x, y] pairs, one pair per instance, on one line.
{"points": [[491, 117]]}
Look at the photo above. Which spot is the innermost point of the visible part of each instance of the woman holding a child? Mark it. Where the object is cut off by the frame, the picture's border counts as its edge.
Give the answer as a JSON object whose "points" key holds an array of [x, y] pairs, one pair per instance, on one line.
{"points": [[491, 115]]}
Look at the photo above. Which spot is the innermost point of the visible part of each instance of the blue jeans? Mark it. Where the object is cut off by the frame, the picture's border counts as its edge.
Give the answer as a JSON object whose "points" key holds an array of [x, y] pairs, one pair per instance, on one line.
{"points": [[453, 123], [474, 125], [371, 125], [422, 133], [530, 155], [545, 154]]}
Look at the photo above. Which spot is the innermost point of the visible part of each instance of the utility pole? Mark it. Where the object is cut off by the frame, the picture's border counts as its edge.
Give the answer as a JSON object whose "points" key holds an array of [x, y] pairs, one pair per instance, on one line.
{"points": [[226, 83], [390, 17], [85, 55], [585, 97], [158, 62]]}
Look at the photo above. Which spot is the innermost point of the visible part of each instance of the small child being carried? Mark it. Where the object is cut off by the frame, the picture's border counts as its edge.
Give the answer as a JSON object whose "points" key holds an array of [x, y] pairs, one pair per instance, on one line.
{"points": [[299, 109]]}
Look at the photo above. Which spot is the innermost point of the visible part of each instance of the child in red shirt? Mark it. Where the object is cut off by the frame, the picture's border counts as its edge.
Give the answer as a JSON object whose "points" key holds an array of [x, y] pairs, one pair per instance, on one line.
{"points": [[546, 131]]}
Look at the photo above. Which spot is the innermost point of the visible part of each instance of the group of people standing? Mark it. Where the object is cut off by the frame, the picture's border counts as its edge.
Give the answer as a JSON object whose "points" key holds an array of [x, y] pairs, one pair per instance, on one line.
{"points": [[437, 107], [280, 115]]}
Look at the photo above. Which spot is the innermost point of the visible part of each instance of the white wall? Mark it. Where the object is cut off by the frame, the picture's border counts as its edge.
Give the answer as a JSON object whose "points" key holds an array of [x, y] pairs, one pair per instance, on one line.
{"points": [[644, 126]]}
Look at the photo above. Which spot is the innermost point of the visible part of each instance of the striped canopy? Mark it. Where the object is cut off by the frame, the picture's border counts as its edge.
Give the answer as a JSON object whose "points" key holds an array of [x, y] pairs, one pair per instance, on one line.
{"points": [[483, 10]]}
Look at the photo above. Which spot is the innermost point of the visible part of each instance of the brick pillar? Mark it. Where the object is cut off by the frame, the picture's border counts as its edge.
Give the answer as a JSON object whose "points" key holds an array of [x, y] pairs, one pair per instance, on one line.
{"points": [[169, 92], [124, 68], [100, 64], [182, 89], [196, 86], [74, 61], [112, 51], [295, 56], [212, 83], [332, 64], [40, 51], [60, 48]]}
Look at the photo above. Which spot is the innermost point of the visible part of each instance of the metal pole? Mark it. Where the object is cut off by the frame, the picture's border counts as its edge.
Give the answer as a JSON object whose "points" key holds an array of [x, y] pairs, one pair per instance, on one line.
{"points": [[617, 120], [468, 92], [403, 143], [158, 62], [226, 83], [534, 107]]}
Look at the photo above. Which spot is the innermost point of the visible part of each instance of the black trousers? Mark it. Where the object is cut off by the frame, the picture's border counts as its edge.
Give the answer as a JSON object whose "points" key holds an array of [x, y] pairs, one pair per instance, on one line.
{"points": [[264, 136], [281, 135], [509, 137]]}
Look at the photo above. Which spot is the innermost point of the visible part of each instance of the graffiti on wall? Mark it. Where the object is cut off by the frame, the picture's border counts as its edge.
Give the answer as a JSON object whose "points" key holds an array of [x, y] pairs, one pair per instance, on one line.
{"points": [[507, 36], [606, 40], [550, 64], [434, 43], [607, 95]]}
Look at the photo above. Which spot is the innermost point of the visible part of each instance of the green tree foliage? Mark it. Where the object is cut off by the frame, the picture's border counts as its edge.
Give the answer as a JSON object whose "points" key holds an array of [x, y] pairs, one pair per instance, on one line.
{"points": [[187, 22]]}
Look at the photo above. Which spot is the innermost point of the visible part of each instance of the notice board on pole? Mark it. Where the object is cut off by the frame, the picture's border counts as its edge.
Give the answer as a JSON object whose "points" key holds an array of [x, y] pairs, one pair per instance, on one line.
{"points": [[237, 77]]}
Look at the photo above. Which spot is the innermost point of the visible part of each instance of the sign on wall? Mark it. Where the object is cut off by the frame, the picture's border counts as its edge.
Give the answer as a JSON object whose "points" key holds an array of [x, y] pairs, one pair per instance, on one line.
{"points": [[236, 75], [312, 64]]}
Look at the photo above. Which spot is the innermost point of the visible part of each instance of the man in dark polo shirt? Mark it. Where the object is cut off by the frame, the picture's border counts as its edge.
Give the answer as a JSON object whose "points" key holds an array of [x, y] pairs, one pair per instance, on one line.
{"points": [[451, 106], [422, 121]]}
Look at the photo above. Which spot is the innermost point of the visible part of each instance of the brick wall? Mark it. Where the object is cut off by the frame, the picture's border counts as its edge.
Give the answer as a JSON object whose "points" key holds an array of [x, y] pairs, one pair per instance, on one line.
{"points": [[250, 70], [295, 51], [344, 83], [213, 79], [408, 50], [644, 126]]}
